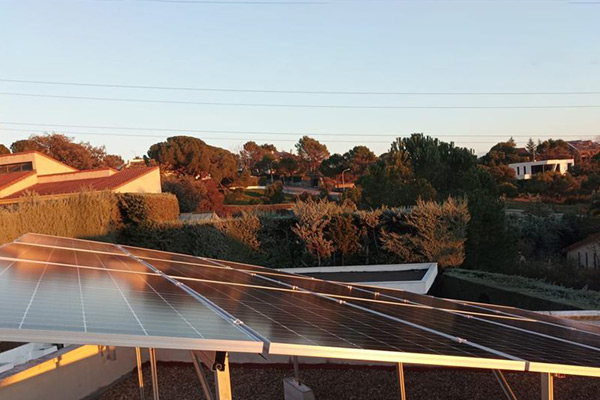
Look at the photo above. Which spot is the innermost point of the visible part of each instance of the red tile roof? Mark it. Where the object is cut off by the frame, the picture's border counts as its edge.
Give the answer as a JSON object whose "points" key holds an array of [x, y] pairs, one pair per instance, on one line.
{"points": [[96, 184], [13, 177]]}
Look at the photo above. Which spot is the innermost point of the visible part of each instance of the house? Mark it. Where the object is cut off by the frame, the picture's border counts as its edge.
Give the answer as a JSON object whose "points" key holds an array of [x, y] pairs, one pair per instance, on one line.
{"points": [[585, 149], [585, 253], [525, 170], [35, 172]]}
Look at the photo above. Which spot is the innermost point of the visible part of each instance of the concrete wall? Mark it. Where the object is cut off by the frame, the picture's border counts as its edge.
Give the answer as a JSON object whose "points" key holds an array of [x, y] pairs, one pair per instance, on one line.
{"points": [[148, 183], [422, 286], [69, 374], [586, 256]]}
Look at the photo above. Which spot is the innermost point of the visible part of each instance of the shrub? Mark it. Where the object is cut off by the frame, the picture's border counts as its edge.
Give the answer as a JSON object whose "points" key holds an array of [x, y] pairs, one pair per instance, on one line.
{"points": [[274, 193], [148, 207], [437, 234], [85, 214]]}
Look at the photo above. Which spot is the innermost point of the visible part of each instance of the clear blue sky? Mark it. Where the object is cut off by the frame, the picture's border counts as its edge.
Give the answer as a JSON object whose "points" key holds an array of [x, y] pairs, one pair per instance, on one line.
{"points": [[389, 46]]}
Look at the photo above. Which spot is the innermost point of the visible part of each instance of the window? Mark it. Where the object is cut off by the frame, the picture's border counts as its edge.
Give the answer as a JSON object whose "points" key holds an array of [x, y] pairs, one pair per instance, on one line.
{"points": [[578, 259], [518, 170], [586, 260], [595, 261], [16, 167]]}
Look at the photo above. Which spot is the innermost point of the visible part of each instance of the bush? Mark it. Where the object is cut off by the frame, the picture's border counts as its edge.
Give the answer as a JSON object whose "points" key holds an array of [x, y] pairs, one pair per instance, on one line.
{"points": [[274, 193], [148, 207], [85, 214]]}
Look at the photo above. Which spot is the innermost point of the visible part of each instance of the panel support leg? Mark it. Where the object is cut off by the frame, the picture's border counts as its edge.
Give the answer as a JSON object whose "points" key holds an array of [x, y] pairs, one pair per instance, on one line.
{"points": [[510, 395], [138, 356], [401, 387], [202, 376], [296, 369], [222, 380], [547, 387], [154, 373]]}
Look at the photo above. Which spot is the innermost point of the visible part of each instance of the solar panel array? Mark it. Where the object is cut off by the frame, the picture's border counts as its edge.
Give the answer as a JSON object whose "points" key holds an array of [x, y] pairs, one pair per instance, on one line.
{"points": [[83, 292]]}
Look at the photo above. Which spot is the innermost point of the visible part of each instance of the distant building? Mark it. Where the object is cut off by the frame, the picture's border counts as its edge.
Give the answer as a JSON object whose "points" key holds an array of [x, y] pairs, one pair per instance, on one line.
{"points": [[35, 172], [585, 149], [585, 253], [525, 170]]}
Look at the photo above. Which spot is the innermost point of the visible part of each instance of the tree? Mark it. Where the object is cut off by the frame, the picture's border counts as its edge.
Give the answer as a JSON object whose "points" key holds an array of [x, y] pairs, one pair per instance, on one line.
{"points": [[257, 157], [531, 148], [554, 149], [359, 159], [334, 165], [503, 153], [191, 156], [311, 152], [80, 155], [287, 165], [194, 195], [4, 149]]}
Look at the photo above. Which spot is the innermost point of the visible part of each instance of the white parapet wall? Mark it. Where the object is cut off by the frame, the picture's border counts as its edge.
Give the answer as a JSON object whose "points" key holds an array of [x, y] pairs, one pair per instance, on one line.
{"points": [[421, 286]]}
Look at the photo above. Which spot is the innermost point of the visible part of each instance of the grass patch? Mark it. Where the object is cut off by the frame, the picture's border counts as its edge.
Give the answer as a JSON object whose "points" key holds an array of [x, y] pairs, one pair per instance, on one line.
{"points": [[583, 299]]}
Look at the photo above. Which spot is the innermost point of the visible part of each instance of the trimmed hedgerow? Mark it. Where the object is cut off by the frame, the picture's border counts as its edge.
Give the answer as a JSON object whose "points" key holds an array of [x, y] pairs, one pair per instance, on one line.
{"points": [[85, 214], [148, 207]]}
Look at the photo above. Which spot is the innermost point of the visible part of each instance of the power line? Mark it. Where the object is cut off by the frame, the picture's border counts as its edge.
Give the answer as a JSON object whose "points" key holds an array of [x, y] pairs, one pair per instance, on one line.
{"points": [[357, 142], [226, 2], [280, 133], [314, 92], [320, 106]]}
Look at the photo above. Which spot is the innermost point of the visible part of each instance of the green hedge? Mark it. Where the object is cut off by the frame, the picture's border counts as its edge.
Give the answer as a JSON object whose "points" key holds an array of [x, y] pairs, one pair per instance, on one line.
{"points": [[148, 207], [85, 214]]}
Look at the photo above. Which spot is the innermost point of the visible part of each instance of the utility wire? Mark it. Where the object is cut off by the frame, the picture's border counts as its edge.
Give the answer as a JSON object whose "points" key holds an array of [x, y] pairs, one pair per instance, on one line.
{"points": [[228, 138], [320, 106], [238, 138], [279, 133], [318, 92]]}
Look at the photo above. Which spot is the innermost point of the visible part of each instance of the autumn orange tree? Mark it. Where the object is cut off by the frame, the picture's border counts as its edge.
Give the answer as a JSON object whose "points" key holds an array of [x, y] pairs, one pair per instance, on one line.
{"points": [[80, 155]]}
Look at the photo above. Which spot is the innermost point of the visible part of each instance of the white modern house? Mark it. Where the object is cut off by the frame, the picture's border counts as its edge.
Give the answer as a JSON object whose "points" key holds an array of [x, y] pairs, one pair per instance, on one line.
{"points": [[525, 170]]}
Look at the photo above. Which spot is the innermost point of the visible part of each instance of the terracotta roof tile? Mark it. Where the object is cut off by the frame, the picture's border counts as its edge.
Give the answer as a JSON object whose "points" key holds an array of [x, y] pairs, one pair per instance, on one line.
{"points": [[13, 177], [96, 184]]}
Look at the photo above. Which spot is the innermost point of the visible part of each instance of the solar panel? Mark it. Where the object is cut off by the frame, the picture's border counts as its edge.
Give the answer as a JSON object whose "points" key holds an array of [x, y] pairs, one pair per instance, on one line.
{"points": [[60, 255], [523, 336], [182, 301], [75, 305], [56, 241]]}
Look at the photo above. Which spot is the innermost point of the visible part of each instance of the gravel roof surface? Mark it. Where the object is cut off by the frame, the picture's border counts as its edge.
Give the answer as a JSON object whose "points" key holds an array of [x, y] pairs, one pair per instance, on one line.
{"points": [[179, 382]]}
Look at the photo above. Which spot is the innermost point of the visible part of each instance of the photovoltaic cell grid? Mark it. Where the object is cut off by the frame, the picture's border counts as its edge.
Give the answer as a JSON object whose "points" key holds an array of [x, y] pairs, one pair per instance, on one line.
{"points": [[75, 286]]}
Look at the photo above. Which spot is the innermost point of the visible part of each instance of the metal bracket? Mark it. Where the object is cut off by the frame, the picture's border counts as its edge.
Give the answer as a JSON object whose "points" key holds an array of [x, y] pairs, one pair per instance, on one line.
{"points": [[510, 395], [214, 360]]}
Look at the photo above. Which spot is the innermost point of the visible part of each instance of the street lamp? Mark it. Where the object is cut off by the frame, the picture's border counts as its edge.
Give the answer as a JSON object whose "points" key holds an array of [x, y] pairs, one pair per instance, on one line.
{"points": [[344, 183]]}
